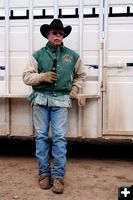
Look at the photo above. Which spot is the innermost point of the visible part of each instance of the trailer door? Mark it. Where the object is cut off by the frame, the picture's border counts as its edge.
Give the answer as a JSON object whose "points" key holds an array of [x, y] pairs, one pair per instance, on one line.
{"points": [[118, 78]]}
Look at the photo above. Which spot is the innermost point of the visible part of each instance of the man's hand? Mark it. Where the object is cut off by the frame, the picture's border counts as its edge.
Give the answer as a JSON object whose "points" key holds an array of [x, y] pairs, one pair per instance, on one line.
{"points": [[49, 77], [74, 92]]}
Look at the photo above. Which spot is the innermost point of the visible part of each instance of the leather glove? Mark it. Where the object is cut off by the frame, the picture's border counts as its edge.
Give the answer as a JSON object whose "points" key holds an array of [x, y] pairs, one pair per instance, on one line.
{"points": [[49, 77], [74, 92]]}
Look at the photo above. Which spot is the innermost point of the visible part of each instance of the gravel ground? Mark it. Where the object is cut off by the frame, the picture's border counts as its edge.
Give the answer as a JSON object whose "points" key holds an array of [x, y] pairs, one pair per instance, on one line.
{"points": [[93, 172]]}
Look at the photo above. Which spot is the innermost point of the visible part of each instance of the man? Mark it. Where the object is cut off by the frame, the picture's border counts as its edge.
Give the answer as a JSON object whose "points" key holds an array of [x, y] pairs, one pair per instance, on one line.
{"points": [[53, 91]]}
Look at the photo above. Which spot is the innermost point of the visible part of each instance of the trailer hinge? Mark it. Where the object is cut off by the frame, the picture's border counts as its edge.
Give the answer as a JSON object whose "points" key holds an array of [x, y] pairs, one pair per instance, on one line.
{"points": [[102, 45]]}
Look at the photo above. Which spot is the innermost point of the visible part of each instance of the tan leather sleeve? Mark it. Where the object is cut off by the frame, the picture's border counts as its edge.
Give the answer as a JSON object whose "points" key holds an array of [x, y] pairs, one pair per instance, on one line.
{"points": [[80, 74], [30, 74]]}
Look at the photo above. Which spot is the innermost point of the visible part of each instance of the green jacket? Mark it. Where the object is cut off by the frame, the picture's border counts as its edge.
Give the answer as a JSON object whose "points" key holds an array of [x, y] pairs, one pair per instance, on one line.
{"points": [[70, 71], [66, 60]]}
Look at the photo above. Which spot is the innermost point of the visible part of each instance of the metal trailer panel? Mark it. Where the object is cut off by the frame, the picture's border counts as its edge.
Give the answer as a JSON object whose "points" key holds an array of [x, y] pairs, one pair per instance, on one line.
{"points": [[4, 117], [42, 3], [118, 78], [2, 4], [120, 2], [102, 34], [119, 117], [20, 124], [24, 38], [120, 42], [18, 4]]}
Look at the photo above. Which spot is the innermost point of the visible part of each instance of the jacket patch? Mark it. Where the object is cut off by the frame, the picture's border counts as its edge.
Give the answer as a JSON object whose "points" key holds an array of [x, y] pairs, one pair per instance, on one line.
{"points": [[67, 58]]}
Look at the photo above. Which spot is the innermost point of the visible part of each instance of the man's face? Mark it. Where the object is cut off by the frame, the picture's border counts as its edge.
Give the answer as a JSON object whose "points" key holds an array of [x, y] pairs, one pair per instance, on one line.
{"points": [[55, 37]]}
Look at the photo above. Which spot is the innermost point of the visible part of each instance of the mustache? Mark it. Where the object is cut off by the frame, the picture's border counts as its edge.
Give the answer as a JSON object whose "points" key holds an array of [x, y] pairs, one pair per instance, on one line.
{"points": [[57, 38]]}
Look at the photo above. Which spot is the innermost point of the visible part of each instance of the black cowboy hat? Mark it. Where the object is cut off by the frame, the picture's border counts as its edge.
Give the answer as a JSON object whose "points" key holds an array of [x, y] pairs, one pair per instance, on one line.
{"points": [[55, 24]]}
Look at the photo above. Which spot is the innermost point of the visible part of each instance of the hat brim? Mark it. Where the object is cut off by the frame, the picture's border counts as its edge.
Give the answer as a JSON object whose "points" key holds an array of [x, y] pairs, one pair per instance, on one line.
{"points": [[45, 28]]}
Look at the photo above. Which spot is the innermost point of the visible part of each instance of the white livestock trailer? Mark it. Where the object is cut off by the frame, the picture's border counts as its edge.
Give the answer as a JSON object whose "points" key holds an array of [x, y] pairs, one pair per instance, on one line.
{"points": [[102, 33]]}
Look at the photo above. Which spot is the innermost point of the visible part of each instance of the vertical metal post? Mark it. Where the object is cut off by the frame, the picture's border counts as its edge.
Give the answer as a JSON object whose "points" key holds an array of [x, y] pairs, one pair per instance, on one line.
{"points": [[81, 28], [7, 71], [80, 109], [105, 57], [105, 60], [56, 10], [101, 43], [30, 50], [30, 27], [30, 30], [100, 72]]}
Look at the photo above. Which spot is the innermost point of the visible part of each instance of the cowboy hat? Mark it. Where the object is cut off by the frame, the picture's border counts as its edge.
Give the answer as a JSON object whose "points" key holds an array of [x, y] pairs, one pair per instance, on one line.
{"points": [[55, 24]]}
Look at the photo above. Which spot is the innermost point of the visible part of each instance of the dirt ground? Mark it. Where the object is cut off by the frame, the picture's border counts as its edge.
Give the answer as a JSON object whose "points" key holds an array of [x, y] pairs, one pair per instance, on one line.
{"points": [[87, 177]]}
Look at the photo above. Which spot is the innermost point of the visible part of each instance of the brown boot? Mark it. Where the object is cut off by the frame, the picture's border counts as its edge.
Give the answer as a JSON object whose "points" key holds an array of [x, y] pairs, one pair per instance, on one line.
{"points": [[58, 186], [44, 182]]}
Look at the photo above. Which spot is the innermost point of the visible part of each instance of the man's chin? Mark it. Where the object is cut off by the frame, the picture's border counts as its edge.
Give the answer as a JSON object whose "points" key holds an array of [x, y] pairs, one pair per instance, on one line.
{"points": [[57, 43]]}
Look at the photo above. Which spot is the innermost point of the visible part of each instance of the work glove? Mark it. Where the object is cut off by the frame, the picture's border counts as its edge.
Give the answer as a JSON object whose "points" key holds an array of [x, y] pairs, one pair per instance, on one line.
{"points": [[49, 77], [74, 92]]}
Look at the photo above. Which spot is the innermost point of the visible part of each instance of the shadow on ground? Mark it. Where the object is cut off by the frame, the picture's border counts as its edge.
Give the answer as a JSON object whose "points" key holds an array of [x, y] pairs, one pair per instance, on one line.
{"points": [[79, 148]]}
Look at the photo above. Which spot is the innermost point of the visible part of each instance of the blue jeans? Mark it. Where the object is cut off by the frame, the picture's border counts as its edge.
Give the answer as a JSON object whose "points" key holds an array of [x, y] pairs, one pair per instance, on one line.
{"points": [[58, 116]]}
